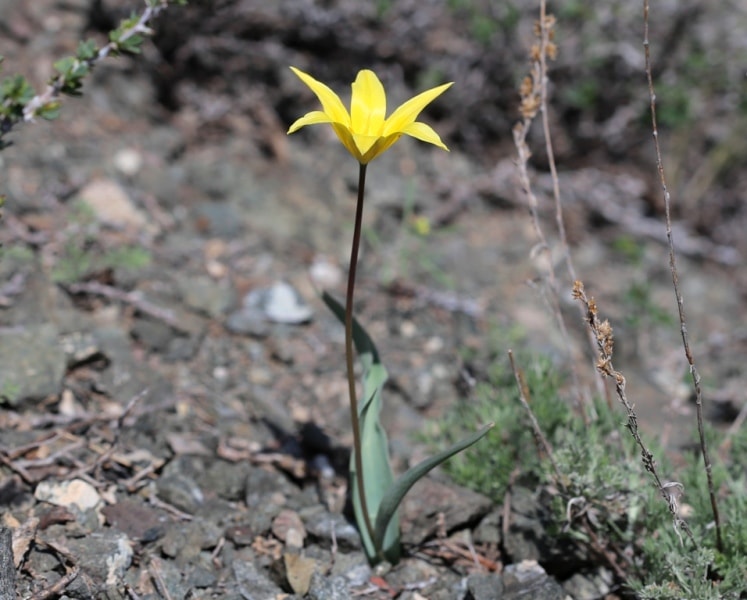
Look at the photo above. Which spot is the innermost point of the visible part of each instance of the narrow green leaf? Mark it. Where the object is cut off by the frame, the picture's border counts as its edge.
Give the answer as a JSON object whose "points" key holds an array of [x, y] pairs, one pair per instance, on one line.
{"points": [[377, 470], [394, 495], [363, 342]]}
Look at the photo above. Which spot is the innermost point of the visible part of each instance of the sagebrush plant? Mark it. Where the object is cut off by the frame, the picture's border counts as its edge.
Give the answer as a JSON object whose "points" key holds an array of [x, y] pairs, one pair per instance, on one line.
{"points": [[680, 548], [366, 132], [18, 101]]}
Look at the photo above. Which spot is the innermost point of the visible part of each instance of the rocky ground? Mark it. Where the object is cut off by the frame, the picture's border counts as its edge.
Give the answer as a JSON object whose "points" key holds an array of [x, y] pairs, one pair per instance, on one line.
{"points": [[174, 408]]}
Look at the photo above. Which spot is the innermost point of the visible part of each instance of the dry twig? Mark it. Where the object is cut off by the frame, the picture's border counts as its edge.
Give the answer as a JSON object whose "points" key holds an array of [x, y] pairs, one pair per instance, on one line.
{"points": [[533, 92], [602, 331], [676, 284]]}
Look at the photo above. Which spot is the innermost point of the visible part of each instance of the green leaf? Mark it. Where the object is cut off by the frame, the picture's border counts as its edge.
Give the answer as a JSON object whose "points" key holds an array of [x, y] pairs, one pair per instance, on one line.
{"points": [[363, 342], [396, 492], [377, 471], [86, 50], [383, 494]]}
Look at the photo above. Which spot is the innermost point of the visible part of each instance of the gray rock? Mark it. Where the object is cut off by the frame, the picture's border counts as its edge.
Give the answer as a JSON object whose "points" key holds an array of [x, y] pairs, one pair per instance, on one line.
{"points": [[205, 294], [252, 583], [429, 497], [353, 566], [528, 535], [79, 347], [280, 303], [185, 541], [488, 531], [227, 480], [181, 491], [248, 322], [154, 335], [219, 219], [103, 557], [484, 586], [323, 525], [32, 363], [124, 377], [589, 586], [528, 579], [328, 588]]}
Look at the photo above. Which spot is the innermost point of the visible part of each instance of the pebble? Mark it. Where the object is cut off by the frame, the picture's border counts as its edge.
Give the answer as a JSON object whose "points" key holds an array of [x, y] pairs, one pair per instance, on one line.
{"points": [[32, 363], [76, 494], [283, 304], [328, 588], [204, 294], [325, 526], [252, 583], [528, 579], [113, 207], [128, 161]]}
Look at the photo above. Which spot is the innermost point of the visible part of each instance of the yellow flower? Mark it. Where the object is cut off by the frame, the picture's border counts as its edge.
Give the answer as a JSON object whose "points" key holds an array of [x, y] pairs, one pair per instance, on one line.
{"points": [[365, 131]]}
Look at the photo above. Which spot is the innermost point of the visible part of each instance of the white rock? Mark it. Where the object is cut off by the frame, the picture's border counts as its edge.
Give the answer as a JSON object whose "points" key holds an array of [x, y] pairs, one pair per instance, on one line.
{"points": [[128, 161], [76, 494], [112, 206]]}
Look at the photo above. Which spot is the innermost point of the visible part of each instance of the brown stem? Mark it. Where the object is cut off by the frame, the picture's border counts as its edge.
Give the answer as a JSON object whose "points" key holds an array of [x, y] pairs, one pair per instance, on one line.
{"points": [[676, 284], [354, 416]]}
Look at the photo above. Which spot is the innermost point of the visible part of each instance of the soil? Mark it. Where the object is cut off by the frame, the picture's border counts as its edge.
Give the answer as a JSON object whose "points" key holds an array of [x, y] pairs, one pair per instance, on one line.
{"points": [[174, 416]]}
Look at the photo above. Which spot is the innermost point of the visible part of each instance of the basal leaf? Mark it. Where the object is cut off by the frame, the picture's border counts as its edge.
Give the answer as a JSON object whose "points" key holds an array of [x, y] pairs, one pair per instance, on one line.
{"points": [[394, 495]]}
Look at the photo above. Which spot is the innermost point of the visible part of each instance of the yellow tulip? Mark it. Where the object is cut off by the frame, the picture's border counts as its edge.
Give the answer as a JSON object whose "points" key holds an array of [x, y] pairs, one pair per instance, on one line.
{"points": [[365, 131]]}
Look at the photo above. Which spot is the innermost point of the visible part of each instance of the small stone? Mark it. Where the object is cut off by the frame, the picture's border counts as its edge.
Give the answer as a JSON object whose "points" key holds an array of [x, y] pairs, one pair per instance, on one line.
{"points": [[429, 497], [528, 579], [589, 586], [138, 521], [32, 363], [247, 322], [323, 526], [484, 586], [288, 527], [324, 274], [252, 583], [103, 557], [219, 219], [76, 494], [328, 588], [488, 531], [353, 566], [181, 491], [128, 161], [206, 295], [280, 303], [299, 571], [112, 206]]}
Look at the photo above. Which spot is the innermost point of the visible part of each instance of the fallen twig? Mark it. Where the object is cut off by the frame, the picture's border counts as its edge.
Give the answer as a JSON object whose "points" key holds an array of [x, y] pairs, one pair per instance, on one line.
{"points": [[135, 299]]}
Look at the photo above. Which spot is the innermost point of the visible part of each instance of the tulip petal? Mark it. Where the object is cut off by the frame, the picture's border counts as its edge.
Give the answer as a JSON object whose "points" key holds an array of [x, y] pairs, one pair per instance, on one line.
{"points": [[424, 133], [365, 142], [407, 113], [331, 102], [367, 104], [312, 118]]}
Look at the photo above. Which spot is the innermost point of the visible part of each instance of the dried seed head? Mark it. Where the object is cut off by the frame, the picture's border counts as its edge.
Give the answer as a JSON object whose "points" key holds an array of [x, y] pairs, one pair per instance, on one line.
{"points": [[535, 53], [551, 50], [529, 107], [526, 87]]}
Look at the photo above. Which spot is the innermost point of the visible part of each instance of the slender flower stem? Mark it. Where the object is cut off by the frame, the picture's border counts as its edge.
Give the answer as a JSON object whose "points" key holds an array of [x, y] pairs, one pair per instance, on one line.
{"points": [[354, 416]]}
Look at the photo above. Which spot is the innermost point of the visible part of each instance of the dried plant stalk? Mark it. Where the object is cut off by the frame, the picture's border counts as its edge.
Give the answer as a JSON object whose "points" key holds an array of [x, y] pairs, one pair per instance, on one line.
{"points": [[602, 331], [676, 284], [533, 92]]}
